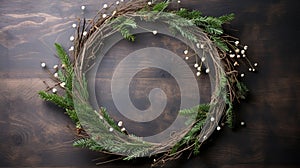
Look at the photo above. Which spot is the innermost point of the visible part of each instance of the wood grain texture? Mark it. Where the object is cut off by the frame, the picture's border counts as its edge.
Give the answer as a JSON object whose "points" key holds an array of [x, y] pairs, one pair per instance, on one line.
{"points": [[37, 134]]}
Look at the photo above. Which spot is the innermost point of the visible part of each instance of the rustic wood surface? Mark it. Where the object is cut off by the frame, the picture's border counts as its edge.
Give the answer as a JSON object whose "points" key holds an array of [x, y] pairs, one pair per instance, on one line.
{"points": [[37, 134]]}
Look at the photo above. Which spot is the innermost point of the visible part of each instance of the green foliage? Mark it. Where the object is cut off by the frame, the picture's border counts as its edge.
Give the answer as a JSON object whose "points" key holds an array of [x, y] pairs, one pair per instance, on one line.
{"points": [[159, 7], [242, 90], [211, 25], [109, 120], [56, 99], [124, 25], [63, 56], [72, 114], [191, 137], [229, 115], [220, 43], [88, 143], [188, 14], [181, 26], [64, 75]]}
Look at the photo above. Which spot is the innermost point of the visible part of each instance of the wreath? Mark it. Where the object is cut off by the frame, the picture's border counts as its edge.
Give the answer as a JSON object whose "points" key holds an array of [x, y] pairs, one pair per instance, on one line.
{"points": [[216, 54]]}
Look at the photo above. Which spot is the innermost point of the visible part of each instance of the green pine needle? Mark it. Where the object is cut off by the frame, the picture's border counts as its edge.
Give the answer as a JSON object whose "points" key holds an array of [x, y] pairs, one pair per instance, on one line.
{"points": [[109, 120], [159, 7], [88, 143], [242, 90], [63, 56], [124, 25], [56, 99]]}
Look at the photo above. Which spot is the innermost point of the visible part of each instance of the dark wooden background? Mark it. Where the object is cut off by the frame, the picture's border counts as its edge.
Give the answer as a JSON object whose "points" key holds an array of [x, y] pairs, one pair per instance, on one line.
{"points": [[37, 134]]}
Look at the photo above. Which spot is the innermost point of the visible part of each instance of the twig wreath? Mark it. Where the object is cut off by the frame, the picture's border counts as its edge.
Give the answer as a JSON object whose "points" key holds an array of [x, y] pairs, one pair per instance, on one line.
{"points": [[216, 53]]}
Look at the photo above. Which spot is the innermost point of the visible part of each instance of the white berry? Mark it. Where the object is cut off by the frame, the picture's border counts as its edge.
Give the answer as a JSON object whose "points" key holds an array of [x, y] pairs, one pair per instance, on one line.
{"points": [[43, 64], [72, 38], [185, 52], [242, 123], [154, 32], [71, 48], [237, 43], [203, 59], [63, 84], [218, 128], [242, 75], [104, 15], [120, 123], [82, 7], [255, 64], [196, 65], [212, 119], [84, 33], [54, 90], [207, 70], [55, 75], [198, 73], [111, 129], [55, 67], [105, 6], [149, 3], [74, 25], [186, 58], [235, 63]]}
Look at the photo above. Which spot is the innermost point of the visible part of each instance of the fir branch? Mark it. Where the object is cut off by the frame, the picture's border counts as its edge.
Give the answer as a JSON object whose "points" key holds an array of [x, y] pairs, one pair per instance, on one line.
{"points": [[73, 115], [160, 7], [242, 90], [188, 14], [54, 98], [229, 115], [201, 111], [123, 25], [109, 120], [88, 143], [219, 42], [125, 32], [63, 56]]}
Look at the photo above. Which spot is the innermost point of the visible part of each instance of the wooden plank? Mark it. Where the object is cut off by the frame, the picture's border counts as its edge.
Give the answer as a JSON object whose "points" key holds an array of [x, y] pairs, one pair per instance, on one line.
{"points": [[37, 134]]}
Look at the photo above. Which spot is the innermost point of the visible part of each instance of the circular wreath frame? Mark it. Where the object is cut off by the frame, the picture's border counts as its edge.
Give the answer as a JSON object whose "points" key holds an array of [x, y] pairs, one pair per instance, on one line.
{"points": [[224, 50]]}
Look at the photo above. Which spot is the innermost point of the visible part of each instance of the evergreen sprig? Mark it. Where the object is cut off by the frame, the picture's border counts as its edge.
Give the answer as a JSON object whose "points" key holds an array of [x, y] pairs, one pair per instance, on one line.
{"points": [[201, 112], [211, 25], [124, 26], [88, 143], [161, 6], [109, 120], [56, 99]]}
